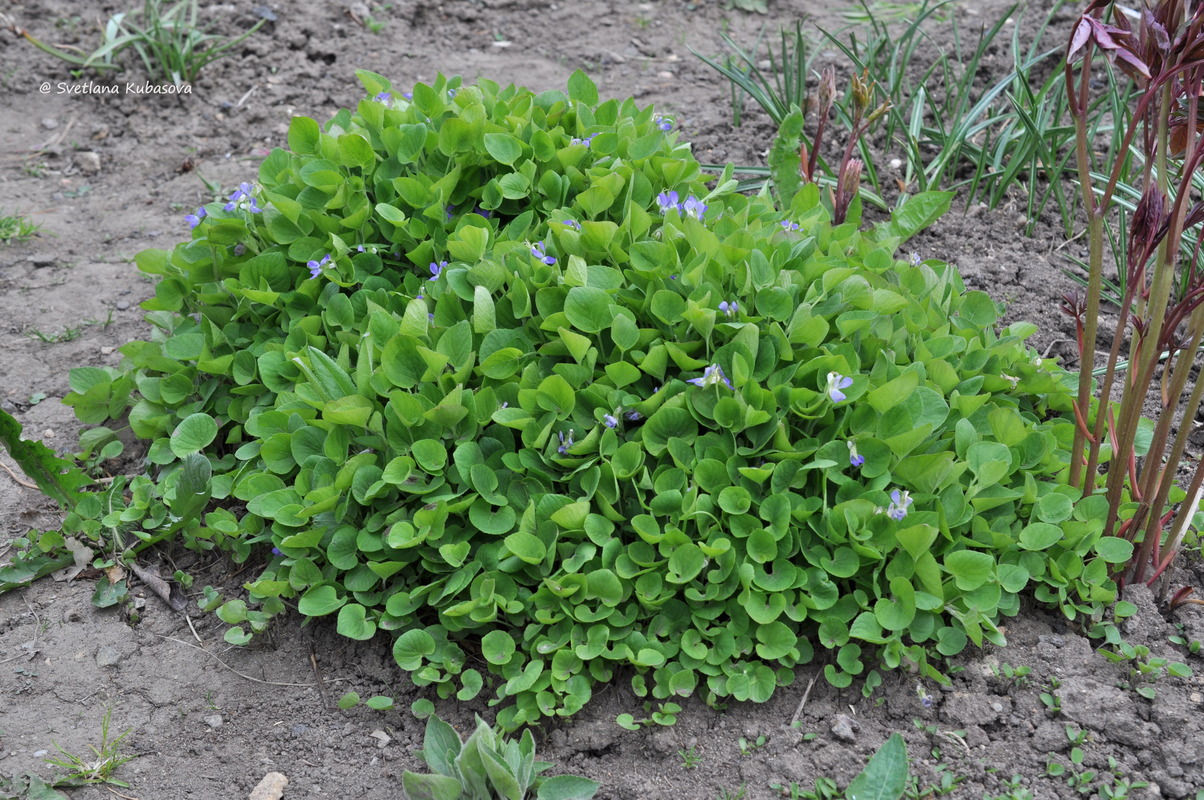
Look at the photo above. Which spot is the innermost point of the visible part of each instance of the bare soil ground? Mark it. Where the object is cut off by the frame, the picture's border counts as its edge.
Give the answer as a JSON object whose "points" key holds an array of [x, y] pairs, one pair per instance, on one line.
{"points": [[107, 175]]}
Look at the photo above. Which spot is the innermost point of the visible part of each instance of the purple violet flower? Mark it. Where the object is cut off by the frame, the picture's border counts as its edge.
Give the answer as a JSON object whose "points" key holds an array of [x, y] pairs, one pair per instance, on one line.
{"points": [[383, 97], [572, 223], [668, 200], [610, 420], [899, 501], [855, 458], [537, 250], [408, 95], [195, 219], [634, 416], [276, 551], [359, 249], [836, 382], [694, 207], [483, 212], [450, 211], [788, 225], [565, 443], [238, 196], [729, 309], [584, 141], [437, 270], [916, 260], [315, 267], [664, 123], [712, 376]]}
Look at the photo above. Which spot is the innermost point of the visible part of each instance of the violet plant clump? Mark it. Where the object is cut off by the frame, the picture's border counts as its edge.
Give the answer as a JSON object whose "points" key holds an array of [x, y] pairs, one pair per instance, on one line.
{"points": [[538, 472], [1160, 314]]}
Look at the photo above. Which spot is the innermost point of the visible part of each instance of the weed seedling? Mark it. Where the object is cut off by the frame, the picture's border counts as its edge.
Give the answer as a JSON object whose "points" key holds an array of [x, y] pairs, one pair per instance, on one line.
{"points": [[1050, 699], [100, 770], [15, 228], [690, 758], [1015, 675], [748, 747]]}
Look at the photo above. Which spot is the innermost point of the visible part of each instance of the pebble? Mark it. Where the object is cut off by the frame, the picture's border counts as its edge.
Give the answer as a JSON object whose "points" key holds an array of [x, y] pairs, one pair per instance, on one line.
{"points": [[107, 656], [122, 305], [49, 123], [1051, 639], [844, 728], [88, 161], [1196, 697], [382, 738], [213, 721], [896, 163], [40, 260], [40, 753], [270, 788]]}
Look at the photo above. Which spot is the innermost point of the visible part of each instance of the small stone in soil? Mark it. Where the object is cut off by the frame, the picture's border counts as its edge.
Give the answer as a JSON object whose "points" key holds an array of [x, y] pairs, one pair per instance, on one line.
{"points": [[49, 123], [122, 305], [270, 788], [106, 656], [213, 721], [844, 728], [88, 161]]}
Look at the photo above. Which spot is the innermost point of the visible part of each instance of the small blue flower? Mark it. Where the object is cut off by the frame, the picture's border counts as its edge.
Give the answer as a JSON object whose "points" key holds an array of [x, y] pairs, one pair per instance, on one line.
{"points": [[634, 416], [668, 200], [276, 551], [584, 141], [430, 316], [383, 97], [537, 250], [315, 267], [610, 420], [925, 698], [729, 309], [664, 123], [241, 198], [694, 207], [565, 443], [899, 501], [359, 249], [836, 382], [788, 225], [712, 376], [572, 223], [450, 211], [484, 212], [451, 93], [408, 95], [437, 270], [855, 458], [195, 219]]}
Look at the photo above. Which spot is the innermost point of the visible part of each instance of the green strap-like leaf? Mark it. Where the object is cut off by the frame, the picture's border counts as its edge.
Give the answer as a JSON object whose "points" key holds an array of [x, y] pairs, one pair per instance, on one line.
{"points": [[58, 479], [885, 777]]}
